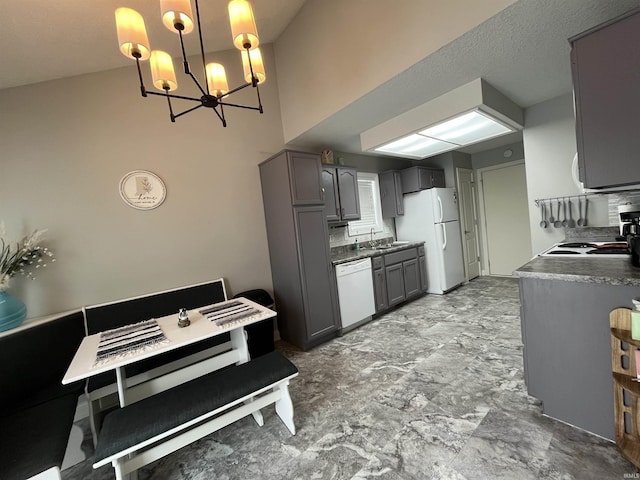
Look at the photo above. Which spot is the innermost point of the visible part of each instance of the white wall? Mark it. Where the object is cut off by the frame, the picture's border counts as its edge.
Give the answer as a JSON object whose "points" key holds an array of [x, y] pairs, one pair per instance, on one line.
{"points": [[336, 51], [550, 144], [65, 146]]}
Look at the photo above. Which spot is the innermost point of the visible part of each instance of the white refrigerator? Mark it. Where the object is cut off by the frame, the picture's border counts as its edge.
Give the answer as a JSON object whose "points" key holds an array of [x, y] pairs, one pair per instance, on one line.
{"points": [[431, 216]]}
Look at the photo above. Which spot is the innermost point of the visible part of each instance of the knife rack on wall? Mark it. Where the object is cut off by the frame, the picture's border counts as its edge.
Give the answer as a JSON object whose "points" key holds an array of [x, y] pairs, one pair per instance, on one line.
{"points": [[537, 201], [549, 220]]}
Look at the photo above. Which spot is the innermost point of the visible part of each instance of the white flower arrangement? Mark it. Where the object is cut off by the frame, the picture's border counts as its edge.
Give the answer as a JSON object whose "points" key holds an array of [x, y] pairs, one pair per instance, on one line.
{"points": [[27, 255]]}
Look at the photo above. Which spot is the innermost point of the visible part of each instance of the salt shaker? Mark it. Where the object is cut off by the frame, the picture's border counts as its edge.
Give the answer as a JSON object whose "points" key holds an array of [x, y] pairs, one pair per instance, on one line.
{"points": [[183, 318]]}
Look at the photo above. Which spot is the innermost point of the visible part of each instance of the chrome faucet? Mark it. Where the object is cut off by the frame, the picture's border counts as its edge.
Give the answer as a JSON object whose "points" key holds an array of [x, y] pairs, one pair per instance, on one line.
{"points": [[372, 242]]}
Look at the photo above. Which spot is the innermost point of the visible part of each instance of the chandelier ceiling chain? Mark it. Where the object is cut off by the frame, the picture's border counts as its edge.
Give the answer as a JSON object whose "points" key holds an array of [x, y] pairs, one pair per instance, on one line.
{"points": [[177, 16]]}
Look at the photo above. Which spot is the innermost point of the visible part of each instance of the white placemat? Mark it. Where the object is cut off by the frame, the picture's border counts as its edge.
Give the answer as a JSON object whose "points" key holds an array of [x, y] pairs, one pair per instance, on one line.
{"points": [[129, 340]]}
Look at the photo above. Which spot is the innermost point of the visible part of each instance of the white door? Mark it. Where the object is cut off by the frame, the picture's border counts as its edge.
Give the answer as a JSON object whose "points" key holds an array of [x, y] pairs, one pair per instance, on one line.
{"points": [[445, 204], [469, 222], [506, 214]]}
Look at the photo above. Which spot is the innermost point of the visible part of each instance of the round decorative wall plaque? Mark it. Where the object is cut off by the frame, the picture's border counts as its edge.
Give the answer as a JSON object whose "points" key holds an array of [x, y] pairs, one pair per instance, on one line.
{"points": [[142, 190]]}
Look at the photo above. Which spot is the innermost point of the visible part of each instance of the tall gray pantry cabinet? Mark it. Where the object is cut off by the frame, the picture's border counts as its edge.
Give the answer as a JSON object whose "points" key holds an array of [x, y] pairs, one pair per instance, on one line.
{"points": [[298, 236]]}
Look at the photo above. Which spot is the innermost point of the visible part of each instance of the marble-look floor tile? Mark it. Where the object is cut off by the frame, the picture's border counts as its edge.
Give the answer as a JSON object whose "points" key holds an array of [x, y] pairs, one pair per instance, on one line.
{"points": [[431, 390]]}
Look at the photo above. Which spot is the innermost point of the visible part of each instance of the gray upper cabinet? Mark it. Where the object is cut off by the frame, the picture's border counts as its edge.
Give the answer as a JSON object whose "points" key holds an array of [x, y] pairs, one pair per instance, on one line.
{"points": [[606, 80], [391, 194], [330, 188], [340, 185], [298, 236], [304, 179], [421, 178]]}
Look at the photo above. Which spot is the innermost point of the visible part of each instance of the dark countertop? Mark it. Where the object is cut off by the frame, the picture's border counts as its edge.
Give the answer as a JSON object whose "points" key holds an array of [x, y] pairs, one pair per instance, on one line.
{"points": [[611, 271], [338, 257]]}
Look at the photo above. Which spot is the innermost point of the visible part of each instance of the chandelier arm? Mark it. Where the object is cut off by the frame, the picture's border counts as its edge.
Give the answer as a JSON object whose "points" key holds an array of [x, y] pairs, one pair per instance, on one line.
{"points": [[259, 100], [247, 107], [245, 85], [193, 99], [254, 81], [204, 68], [195, 80], [143, 90], [187, 111], [220, 115], [185, 63], [171, 115]]}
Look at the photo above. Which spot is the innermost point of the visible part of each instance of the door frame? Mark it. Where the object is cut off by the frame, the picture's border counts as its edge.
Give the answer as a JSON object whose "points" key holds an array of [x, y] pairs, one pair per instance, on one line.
{"points": [[474, 202], [482, 224]]}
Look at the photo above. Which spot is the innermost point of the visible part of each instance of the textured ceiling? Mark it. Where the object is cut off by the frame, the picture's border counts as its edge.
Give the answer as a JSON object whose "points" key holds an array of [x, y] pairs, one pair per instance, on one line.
{"points": [[523, 51]]}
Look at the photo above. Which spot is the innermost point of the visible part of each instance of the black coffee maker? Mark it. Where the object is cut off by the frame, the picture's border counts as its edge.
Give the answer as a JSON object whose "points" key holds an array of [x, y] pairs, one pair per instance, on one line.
{"points": [[629, 215]]}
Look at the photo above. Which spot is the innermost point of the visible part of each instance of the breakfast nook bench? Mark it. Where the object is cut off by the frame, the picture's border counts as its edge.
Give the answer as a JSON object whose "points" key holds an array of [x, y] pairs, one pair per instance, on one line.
{"points": [[36, 410], [155, 426]]}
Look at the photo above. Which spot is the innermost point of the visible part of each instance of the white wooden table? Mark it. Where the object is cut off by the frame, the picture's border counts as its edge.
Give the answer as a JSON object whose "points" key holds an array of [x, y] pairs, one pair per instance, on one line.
{"points": [[84, 366]]}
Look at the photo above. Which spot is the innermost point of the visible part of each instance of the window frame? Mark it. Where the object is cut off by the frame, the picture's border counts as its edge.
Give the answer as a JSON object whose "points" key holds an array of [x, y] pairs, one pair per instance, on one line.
{"points": [[372, 197]]}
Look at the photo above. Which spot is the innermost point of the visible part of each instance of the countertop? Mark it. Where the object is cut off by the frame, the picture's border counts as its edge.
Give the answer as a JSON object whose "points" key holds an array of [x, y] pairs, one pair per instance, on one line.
{"points": [[338, 257], [611, 271]]}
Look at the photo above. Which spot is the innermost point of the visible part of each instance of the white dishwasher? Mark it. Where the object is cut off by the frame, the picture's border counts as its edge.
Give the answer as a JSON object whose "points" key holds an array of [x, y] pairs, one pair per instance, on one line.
{"points": [[355, 291]]}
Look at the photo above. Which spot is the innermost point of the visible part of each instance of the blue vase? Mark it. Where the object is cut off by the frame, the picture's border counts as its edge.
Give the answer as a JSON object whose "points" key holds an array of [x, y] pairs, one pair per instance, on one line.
{"points": [[12, 311]]}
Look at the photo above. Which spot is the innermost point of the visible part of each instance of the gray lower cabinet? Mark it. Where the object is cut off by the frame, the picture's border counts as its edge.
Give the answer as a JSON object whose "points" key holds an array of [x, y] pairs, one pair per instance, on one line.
{"points": [[605, 66], [379, 284], [297, 232], [391, 194], [421, 178], [411, 274], [396, 277], [395, 284], [422, 263], [567, 349]]}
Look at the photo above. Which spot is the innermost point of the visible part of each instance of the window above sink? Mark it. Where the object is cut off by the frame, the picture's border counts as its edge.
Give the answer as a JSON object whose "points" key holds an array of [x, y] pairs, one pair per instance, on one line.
{"points": [[370, 206]]}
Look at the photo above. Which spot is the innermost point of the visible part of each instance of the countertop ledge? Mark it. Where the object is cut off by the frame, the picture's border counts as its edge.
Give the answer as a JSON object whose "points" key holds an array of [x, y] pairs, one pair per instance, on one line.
{"points": [[610, 271], [343, 257]]}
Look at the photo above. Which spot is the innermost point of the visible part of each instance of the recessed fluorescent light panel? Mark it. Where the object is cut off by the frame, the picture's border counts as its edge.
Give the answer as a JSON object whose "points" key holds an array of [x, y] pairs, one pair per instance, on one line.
{"points": [[465, 129], [416, 146]]}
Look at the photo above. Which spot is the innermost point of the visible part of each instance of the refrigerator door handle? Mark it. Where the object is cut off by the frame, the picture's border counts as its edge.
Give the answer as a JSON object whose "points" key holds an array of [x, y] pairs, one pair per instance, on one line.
{"points": [[444, 237], [441, 209]]}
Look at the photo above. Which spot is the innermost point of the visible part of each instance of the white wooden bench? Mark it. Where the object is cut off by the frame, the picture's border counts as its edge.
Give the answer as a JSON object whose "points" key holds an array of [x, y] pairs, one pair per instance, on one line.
{"points": [[153, 427], [101, 391]]}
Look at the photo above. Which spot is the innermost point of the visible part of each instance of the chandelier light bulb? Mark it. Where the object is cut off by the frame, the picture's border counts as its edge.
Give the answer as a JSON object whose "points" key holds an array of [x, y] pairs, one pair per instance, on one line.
{"points": [[243, 25], [132, 34], [177, 15], [216, 79], [162, 72], [256, 64]]}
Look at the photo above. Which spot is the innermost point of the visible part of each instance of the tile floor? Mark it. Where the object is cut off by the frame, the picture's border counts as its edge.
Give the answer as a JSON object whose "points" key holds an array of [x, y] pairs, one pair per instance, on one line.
{"points": [[431, 390]]}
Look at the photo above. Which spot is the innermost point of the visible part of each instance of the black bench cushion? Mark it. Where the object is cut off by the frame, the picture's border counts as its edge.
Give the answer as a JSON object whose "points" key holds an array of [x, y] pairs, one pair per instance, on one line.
{"points": [[135, 423], [35, 439], [34, 360]]}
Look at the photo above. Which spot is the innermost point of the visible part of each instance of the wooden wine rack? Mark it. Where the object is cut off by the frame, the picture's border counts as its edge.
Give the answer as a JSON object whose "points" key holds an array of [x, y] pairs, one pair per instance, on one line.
{"points": [[626, 389]]}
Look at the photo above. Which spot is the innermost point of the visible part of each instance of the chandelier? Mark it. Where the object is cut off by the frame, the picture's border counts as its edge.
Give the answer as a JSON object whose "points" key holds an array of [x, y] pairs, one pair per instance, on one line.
{"points": [[177, 16]]}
